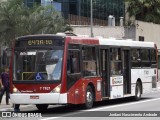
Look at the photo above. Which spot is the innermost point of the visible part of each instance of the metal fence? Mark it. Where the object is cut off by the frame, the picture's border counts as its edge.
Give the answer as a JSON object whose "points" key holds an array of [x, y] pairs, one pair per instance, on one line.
{"points": [[80, 20]]}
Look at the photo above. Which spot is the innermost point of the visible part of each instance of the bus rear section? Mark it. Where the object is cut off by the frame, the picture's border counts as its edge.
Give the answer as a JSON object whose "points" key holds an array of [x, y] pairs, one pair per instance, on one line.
{"points": [[36, 73]]}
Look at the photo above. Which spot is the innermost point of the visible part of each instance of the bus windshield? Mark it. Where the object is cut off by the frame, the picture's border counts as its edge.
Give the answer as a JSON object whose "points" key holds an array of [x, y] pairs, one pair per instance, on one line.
{"points": [[38, 65]]}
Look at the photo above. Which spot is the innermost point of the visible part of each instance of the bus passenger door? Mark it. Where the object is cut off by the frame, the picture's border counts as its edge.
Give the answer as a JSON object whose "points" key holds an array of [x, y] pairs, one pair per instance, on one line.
{"points": [[104, 72], [126, 71]]}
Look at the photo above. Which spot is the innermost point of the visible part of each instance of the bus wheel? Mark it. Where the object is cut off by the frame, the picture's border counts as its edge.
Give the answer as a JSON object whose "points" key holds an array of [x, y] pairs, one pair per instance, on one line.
{"points": [[42, 106], [89, 99], [138, 91]]}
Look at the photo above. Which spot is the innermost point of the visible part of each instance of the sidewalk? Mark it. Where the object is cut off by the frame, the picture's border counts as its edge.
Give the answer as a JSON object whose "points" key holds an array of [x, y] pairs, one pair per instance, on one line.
{"points": [[4, 107]]}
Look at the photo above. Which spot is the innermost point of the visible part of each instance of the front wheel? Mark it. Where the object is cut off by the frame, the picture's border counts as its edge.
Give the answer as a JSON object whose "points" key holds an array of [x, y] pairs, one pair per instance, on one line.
{"points": [[138, 91], [89, 98], [42, 106]]}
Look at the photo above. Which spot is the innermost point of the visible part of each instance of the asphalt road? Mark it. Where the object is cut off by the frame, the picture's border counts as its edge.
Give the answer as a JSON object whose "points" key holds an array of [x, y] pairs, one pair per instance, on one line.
{"points": [[119, 108]]}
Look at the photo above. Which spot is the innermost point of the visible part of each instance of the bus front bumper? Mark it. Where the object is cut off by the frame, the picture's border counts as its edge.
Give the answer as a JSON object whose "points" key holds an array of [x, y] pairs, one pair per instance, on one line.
{"points": [[48, 98]]}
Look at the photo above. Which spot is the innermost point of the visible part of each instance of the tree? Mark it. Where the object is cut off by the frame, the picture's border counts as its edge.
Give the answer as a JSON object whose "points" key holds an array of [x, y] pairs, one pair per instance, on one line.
{"points": [[18, 20], [145, 10]]}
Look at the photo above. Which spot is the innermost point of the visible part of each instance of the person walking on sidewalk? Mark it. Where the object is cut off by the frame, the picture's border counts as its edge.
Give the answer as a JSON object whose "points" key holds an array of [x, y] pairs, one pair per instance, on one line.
{"points": [[4, 82]]}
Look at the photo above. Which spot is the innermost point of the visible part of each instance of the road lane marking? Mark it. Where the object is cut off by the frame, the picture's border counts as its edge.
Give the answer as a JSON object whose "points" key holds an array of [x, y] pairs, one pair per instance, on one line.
{"points": [[96, 109]]}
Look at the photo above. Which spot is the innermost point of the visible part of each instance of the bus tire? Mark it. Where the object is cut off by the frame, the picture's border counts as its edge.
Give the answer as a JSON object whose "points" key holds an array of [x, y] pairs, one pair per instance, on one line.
{"points": [[42, 106], [89, 98], [138, 91]]}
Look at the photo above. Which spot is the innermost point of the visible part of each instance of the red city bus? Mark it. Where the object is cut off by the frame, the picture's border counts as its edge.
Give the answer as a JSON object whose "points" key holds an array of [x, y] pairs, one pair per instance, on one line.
{"points": [[57, 69]]}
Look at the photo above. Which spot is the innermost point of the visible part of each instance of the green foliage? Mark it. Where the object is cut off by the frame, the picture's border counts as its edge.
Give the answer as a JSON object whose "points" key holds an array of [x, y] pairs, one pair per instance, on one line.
{"points": [[17, 20], [145, 10]]}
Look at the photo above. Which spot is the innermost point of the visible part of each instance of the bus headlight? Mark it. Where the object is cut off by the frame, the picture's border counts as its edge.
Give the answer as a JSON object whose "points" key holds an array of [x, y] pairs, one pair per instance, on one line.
{"points": [[56, 89], [15, 90]]}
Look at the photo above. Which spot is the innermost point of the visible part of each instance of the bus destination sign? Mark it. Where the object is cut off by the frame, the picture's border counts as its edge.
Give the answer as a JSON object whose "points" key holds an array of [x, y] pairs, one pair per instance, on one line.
{"points": [[39, 42]]}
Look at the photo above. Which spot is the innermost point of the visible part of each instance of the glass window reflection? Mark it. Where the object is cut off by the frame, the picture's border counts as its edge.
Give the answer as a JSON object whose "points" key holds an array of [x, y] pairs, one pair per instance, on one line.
{"points": [[38, 65]]}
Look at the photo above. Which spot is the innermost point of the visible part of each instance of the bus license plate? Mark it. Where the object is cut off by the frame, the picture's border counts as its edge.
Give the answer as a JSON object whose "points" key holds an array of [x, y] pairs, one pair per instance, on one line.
{"points": [[34, 97]]}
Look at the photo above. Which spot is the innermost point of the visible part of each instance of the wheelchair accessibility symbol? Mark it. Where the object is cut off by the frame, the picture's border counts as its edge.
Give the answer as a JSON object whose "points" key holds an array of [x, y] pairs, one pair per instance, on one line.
{"points": [[39, 76]]}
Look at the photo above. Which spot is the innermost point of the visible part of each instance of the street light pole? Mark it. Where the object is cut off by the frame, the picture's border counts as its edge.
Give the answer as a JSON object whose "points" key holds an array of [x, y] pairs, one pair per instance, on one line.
{"points": [[91, 18]]}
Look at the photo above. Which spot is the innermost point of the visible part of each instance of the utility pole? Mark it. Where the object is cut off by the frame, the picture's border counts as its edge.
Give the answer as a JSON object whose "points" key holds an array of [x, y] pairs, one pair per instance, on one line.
{"points": [[91, 26]]}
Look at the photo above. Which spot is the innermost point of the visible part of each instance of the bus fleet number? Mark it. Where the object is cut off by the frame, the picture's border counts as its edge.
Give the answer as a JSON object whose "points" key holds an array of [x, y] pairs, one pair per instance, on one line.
{"points": [[45, 88]]}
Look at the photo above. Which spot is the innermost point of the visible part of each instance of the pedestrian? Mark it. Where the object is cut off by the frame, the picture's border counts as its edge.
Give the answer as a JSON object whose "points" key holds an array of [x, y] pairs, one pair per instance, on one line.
{"points": [[4, 82]]}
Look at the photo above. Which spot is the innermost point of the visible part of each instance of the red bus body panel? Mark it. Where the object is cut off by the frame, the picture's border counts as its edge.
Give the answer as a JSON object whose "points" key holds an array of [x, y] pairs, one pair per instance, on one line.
{"points": [[77, 93]]}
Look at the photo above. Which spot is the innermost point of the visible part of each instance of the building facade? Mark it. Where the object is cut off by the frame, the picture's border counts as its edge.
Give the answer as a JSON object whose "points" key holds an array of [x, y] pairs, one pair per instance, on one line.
{"points": [[101, 8]]}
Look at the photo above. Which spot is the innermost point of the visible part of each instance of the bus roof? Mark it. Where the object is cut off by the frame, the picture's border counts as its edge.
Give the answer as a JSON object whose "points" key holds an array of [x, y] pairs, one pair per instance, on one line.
{"points": [[38, 35], [117, 42], [130, 43], [100, 40]]}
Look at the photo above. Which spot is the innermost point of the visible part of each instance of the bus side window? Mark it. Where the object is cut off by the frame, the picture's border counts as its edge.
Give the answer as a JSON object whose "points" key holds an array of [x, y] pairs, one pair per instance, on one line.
{"points": [[89, 61], [135, 54], [153, 58], [73, 62], [115, 54], [145, 58], [73, 65], [153, 55], [116, 62], [135, 57]]}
